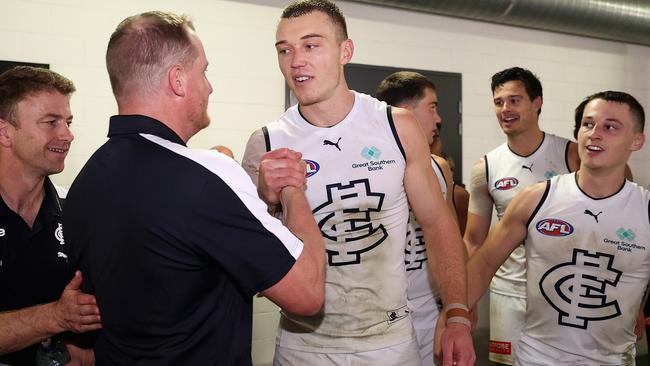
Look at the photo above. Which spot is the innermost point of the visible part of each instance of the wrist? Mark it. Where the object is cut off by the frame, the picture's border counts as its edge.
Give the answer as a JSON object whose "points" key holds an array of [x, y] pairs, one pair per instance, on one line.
{"points": [[458, 313], [52, 319]]}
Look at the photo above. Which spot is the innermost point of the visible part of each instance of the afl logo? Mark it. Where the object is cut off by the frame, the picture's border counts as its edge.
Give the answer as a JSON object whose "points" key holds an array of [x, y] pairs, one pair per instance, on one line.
{"points": [[554, 227], [312, 168], [505, 184]]}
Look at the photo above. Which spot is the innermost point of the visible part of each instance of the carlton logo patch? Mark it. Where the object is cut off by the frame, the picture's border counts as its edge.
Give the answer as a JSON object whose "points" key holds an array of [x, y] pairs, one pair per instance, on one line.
{"points": [[554, 227], [505, 184], [312, 168]]}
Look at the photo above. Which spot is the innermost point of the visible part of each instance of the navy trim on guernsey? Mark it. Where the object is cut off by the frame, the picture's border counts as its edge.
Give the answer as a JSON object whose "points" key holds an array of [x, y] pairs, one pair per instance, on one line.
{"points": [[441, 172], [267, 139], [32, 271], [453, 196], [601, 198], [566, 156], [487, 171], [539, 205], [174, 242], [389, 114], [534, 151]]}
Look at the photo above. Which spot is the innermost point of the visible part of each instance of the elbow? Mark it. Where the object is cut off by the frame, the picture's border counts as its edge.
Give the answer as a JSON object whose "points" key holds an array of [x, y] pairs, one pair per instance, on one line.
{"points": [[311, 303]]}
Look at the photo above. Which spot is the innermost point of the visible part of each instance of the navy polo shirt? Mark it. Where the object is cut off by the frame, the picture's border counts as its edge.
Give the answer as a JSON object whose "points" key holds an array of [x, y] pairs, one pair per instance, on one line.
{"points": [[174, 243], [33, 261]]}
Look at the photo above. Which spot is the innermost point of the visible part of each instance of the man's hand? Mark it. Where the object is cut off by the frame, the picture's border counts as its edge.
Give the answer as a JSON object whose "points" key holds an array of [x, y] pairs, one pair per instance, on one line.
{"points": [[76, 311], [452, 345], [80, 356], [280, 168]]}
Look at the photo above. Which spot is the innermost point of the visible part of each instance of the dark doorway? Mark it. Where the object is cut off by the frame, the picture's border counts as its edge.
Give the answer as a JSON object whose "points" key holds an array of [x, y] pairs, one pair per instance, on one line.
{"points": [[6, 65], [366, 79]]}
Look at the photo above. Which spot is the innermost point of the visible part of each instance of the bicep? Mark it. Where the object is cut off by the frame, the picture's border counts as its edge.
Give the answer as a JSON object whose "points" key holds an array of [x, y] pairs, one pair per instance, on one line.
{"points": [[420, 182], [479, 211], [480, 201], [255, 148]]}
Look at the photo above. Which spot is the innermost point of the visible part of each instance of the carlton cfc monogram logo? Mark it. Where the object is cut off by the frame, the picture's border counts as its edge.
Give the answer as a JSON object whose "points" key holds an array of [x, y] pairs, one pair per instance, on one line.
{"points": [[415, 253], [578, 289], [505, 184], [348, 229], [554, 227]]}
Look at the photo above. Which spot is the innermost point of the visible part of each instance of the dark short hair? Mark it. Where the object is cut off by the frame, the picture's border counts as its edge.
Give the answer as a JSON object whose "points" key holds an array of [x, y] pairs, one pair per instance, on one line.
{"points": [[636, 109], [403, 87], [22, 81], [304, 7], [143, 46], [531, 82]]}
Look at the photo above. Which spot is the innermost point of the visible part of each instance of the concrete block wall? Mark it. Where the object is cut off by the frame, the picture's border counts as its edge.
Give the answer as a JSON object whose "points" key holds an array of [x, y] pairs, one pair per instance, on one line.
{"points": [[71, 35]]}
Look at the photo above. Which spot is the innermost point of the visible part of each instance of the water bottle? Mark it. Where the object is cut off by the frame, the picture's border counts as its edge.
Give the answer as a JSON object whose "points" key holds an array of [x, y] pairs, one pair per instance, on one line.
{"points": [[52, 353]]}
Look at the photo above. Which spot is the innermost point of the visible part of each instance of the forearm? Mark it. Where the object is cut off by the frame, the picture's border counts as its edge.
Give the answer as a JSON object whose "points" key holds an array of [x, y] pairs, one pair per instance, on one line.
{"points": [[476, 232], [448, 261], [479, 277], [299, 219], [22, 328]]}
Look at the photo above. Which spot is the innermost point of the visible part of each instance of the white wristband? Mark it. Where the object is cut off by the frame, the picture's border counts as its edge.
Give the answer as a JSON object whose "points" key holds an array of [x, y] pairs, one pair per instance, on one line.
{"points": [[461, 320]]}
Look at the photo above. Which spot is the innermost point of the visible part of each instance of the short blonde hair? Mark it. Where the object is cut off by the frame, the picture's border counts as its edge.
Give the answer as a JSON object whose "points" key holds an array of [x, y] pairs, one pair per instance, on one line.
{"points": [[143, 47]]}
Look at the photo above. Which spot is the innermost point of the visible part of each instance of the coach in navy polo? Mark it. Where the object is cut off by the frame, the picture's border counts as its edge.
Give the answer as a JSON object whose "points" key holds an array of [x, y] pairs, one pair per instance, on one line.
{"points": [[172, 241]]}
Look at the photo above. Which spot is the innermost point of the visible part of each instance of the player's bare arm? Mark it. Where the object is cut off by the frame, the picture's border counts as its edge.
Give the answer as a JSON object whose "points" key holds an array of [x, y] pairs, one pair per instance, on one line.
{"points": [[255, 148], [440, 233], [307, 276], [280, 177], [479, 212], [502, 240], [272, 171]]}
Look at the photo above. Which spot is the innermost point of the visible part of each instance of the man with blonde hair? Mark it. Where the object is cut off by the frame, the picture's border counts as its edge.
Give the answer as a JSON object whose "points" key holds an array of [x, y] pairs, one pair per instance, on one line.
{"points": [[178, 242]]}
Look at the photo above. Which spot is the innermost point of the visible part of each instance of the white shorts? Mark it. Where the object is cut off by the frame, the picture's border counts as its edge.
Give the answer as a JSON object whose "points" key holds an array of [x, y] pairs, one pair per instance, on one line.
{"points": [[424, 313], [531, 352], [405, 354], [507, 316]]}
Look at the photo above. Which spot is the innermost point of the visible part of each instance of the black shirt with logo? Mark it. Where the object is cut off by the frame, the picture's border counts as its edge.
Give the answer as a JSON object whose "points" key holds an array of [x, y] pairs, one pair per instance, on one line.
{"points": [[171, 248], [33, 262]]}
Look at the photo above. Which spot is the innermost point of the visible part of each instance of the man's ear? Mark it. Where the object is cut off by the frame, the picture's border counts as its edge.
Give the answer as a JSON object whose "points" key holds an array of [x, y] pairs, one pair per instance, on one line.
{"points": [[638, 141], [5, 133], [176, 80], [347, 50], [537, 103]]}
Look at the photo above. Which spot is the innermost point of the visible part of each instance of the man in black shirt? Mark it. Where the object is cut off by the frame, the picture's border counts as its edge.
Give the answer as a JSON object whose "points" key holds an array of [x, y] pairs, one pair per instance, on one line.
{"points": [[35, 303], [178, 242]]}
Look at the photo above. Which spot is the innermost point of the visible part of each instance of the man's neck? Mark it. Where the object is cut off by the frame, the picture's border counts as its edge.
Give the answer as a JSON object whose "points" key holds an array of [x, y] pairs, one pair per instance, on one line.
{"points": [[527, 142], [600, 183], [329, 112], [166, 113], [22, 192]]}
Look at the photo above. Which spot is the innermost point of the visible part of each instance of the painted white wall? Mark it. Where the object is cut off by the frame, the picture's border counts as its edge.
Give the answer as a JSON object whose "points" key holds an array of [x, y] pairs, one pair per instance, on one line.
{"points": [[71, 35]]}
